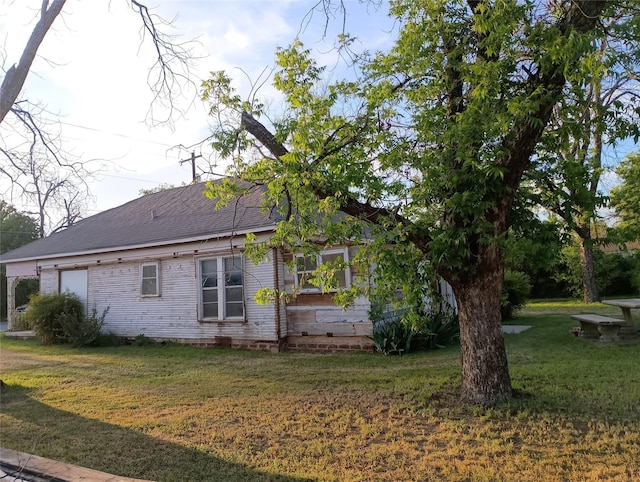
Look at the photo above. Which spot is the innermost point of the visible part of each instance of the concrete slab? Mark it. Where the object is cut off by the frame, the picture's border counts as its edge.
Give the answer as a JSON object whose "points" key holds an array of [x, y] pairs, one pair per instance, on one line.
{"points": [[31, 467], [511, 329], [21, 335]]}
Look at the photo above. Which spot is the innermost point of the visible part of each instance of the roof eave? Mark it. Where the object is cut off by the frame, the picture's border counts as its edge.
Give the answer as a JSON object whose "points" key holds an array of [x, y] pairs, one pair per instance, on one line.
{"points": [[192, 239]]}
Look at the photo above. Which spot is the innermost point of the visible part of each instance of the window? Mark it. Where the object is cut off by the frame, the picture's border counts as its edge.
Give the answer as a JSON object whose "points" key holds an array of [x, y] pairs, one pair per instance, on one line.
{"points": [[306, 265], [150, 279], [221, 288]]}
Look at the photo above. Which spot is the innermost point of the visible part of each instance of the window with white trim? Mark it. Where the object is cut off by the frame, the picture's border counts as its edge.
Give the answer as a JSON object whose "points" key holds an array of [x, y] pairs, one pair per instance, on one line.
{"points": [[307, 265], [221, 288], [150, 279]]}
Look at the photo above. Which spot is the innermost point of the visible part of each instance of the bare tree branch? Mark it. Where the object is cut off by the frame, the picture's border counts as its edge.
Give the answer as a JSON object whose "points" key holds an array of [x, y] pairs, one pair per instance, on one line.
{"points": [[16, 75], [171, 68]]}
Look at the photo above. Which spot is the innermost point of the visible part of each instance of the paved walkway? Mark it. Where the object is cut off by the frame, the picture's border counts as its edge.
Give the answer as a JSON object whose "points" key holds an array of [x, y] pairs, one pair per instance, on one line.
{"points": [[514, 328], [22, 467]]}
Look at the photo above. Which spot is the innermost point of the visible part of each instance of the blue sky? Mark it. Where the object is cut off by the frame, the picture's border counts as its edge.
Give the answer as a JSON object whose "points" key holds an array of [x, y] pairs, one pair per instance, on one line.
{"points": [[92, 70]]}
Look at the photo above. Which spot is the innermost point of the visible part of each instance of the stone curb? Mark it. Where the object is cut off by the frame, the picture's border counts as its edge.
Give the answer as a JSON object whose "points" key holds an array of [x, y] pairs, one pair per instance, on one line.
{"points": [[48, 469]]}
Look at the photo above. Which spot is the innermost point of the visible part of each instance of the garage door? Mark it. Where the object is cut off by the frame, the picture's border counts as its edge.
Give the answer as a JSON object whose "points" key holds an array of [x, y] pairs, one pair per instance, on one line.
{"points": [[75, 281]]}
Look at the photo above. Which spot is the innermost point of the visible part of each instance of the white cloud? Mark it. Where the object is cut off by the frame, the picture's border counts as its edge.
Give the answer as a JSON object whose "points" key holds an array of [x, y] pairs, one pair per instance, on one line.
{"points": [[93, 70]]}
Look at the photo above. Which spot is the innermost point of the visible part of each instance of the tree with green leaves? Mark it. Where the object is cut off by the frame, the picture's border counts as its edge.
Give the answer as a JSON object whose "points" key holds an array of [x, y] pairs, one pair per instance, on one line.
{"points": [[424, 153], [597, 114], [625, 197], [16, 229]]}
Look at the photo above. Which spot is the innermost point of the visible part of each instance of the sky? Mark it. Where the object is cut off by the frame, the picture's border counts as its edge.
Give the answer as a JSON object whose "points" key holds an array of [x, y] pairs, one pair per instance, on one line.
{"points": [[92, 70]]}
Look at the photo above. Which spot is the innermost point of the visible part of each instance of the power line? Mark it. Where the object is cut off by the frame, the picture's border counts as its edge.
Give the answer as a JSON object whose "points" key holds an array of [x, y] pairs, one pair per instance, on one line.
{"points": [[116, 134]]}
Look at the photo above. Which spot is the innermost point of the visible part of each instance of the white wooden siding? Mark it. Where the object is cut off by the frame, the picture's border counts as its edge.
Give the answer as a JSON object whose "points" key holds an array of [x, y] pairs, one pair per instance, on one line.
{"points": [[114, 282], [24, 268], [174, 313], [49, 281]]}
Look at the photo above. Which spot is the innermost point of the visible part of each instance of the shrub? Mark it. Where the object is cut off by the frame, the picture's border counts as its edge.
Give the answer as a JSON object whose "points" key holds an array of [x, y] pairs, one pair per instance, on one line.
{"points": [[437, 329], [47, 311], [80, 330], [635, 277], [392, 337], [411, 331], [515, 291], [108, 339], [143, 340], [60, 318], [21, 322]]}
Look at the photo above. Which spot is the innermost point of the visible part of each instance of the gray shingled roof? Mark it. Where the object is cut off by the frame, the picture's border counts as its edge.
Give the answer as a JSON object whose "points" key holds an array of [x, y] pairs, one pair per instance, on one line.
{"points": [[180, 214]]}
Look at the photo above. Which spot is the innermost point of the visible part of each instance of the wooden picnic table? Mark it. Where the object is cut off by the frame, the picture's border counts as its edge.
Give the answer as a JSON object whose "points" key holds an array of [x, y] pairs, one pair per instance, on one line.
{"points": [[627, 330]]}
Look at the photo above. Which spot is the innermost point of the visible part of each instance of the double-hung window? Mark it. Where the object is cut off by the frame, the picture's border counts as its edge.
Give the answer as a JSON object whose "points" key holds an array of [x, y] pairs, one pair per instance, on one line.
{"points": [[307, 265], [221, 288], [150, 279]]}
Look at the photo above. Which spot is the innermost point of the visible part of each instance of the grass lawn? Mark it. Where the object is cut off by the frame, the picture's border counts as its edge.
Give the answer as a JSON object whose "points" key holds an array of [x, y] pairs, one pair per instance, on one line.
{"points": [[173, 413]]}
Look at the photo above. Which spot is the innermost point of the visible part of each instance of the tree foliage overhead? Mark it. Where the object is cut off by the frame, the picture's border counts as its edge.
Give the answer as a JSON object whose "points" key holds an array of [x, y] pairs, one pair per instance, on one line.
{"points": [[16, 229], [625, 198], [426, 150], [596, 113]]}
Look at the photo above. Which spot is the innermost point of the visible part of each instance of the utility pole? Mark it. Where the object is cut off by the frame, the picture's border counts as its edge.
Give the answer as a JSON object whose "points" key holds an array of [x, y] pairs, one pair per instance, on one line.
{"points": [[193, 158]]}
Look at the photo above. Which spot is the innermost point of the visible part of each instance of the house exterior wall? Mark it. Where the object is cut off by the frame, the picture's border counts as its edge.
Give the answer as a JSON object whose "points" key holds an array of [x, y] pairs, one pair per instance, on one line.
{"points": [[315, 322], [114, 281], [173, 314], [49, 280], [22, 269], [305, 321]]}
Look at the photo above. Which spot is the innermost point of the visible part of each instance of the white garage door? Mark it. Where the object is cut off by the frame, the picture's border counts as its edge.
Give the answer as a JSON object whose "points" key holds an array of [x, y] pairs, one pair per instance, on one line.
{"points": [[75, 281]]}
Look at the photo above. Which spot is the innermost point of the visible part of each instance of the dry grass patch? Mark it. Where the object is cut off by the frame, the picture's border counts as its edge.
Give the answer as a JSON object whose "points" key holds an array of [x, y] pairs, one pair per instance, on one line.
{"points": [[182, 413]]}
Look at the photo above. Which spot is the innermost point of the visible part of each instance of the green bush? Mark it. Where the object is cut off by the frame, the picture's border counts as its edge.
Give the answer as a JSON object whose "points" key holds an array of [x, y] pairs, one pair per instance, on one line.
{"points": [[515, 291], [436, 329], [410, 331], [635, 276], [392, 337], [47, 313], [60, 318], [617, 274], [108, 339], [143, 340], [80, 330]]}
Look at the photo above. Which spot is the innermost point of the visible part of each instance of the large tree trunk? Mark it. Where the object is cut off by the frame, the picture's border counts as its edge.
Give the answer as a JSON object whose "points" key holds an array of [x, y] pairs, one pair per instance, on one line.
{"points": [[485, 371], [589, 286]]}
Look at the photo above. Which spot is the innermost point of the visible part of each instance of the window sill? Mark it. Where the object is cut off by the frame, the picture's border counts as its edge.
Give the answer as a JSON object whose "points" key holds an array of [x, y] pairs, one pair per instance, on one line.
{"points": [[318, 291], [209, 321]]}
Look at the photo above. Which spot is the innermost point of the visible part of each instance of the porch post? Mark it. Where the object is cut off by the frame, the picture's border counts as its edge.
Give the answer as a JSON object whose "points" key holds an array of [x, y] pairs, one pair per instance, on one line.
{"points": [[12, 282]]}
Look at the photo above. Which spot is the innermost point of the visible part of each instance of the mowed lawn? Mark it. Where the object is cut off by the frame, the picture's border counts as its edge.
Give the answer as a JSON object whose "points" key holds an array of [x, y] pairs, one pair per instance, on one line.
{"points": [[174, 413]]}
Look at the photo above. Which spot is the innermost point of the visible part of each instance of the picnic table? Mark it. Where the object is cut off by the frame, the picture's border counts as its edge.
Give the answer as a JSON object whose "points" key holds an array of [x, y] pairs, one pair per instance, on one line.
{"points": [[628, 330]]}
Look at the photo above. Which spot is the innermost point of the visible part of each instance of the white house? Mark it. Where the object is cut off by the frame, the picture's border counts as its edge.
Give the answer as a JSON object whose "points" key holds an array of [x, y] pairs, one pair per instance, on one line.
{"points": [[171, 267]]}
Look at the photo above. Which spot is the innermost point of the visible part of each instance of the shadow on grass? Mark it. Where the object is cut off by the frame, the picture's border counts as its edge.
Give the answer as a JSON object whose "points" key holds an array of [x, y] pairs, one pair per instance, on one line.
{"points": [[49, 432]]}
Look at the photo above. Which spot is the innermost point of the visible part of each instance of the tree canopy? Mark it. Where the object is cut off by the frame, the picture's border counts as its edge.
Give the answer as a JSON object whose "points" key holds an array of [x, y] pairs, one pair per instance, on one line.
{"points": [[16, 229], [426, 150], [625, 198]]}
